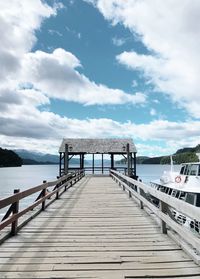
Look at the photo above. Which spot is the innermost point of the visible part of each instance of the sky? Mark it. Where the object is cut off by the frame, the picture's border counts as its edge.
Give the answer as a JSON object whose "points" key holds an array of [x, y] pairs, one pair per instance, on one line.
{"points": [[100, 69]]}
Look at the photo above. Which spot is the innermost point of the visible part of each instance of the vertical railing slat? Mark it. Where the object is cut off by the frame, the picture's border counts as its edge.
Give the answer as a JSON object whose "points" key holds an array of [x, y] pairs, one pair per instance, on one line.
{"points": [[15, 208]]}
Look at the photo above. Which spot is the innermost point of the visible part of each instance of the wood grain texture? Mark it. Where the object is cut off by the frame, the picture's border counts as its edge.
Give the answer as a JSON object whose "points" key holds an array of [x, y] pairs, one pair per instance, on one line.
{"points": [[94, 231]]}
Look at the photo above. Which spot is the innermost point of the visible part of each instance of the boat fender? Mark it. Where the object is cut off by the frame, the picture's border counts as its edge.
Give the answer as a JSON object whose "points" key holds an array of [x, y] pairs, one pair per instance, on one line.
{"points": [[178, 179]]}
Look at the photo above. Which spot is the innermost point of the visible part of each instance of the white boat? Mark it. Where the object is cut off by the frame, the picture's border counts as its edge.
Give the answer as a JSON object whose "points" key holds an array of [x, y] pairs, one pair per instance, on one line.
{"points": [[183, 185]]}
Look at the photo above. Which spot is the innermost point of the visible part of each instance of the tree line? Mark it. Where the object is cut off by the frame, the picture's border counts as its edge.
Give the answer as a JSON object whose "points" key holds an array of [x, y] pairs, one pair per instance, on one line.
{"points": [[8, 158]]}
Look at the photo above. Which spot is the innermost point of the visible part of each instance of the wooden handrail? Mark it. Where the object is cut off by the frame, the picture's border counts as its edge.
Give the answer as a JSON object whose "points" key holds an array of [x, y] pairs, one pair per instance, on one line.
{"points": [[139, 190], [179, 205], [13, 214], [18, 196]]}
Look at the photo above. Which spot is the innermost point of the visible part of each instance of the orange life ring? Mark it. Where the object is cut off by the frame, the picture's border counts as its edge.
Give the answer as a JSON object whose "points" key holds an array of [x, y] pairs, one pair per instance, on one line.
{"points": [[178, 179]]}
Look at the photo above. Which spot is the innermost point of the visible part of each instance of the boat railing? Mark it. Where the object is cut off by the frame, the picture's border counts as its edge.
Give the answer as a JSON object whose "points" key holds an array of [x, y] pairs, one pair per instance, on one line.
{"points": [[45, 191], [162, 210]]}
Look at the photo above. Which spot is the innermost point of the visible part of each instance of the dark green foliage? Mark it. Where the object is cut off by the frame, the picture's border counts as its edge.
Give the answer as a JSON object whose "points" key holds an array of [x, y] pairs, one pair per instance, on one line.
{"points": [[166, 160], [9, 158], [155, 160], [178, 158], [139, 160], [197, 148], [185, 150], [184, 155]]}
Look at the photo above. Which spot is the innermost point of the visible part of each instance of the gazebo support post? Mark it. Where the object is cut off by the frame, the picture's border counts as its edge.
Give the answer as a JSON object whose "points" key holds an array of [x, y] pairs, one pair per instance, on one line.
{"points": [[128, 159], [102, 163], [93, 163], [66, 162]]}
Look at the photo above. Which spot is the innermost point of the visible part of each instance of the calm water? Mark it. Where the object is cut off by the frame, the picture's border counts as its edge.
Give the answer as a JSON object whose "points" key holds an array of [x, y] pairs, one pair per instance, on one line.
{"points": [[29, 176], [151, 172], [23, 178]]}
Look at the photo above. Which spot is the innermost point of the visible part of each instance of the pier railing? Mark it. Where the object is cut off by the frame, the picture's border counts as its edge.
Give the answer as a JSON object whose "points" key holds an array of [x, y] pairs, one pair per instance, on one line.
{"points": [[163, 210], [45, 191], [101, 169]]}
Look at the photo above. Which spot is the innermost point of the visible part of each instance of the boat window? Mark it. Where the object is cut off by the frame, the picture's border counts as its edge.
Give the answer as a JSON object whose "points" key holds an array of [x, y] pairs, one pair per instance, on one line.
{"points": [[182, 195], [187, 169], [182, 170], [190, 198], [177, 194], [198, 200], [193, 170], [198, 170], [168, 191]]}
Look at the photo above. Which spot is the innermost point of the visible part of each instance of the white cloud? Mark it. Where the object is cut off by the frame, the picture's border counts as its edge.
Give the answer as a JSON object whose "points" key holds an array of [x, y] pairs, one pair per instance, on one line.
{"points": [[27, 127], [134, 83], [118, 41], [29, 81], [17, 33], [153, 112], [170, 30], [56, 75]]}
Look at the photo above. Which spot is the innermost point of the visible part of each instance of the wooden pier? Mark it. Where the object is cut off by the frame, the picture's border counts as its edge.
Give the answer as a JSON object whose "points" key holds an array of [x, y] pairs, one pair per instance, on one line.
{"points": [[95, 230]]}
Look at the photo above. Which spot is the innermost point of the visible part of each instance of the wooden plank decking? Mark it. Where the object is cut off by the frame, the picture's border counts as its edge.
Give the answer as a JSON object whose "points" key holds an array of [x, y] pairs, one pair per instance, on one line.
{"points": [[94, 231]]}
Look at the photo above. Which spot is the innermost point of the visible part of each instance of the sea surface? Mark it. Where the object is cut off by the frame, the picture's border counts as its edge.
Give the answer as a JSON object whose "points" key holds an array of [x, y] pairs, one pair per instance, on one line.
{"points": [[30, 176]]}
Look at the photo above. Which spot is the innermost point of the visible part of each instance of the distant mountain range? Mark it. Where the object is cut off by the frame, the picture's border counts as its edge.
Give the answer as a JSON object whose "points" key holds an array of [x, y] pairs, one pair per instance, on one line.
{"points": [[21, 156], [31, 157], [184, 155], [35, 158]]}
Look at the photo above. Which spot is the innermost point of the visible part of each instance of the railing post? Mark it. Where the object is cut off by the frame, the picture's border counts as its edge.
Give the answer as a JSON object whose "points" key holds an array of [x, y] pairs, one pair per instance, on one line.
{"points": [[128, 159], [43, 195], [163, 208], [15, 210], [57, 186], [57, 193], [141, 203]]}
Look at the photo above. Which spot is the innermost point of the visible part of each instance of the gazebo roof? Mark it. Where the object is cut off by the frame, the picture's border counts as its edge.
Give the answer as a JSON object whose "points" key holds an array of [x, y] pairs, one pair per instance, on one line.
{"points": [[94, 146]]}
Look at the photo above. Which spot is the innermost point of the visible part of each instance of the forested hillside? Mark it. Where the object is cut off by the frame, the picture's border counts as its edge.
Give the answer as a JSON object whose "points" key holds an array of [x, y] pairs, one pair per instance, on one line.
{"points": [[8, 158], [184, 155]]}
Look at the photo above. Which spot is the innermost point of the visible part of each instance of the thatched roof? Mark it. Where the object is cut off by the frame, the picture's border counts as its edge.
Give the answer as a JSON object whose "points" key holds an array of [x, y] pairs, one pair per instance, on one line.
{"points": [[94, 146]]}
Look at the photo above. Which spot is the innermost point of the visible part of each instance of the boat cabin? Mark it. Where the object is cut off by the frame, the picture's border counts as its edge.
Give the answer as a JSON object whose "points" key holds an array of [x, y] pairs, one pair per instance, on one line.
{"points": [[190, 169], [189, 197], [185, 186]]}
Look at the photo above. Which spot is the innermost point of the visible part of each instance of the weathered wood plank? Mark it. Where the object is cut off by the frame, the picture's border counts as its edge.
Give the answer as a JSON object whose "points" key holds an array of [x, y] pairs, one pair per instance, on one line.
{"points": [[94, 231]]}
